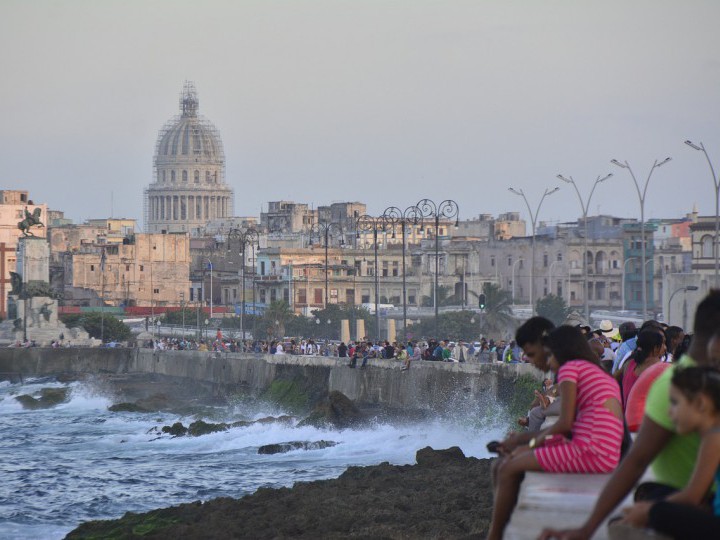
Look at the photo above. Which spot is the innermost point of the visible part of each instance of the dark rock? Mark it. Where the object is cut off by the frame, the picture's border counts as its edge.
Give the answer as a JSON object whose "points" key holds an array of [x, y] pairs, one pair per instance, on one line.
{"points": [[337, 410], [199, 427], [49, 397], [176, 430], [126, 407], [281, 448], [427, 457], [452, 500]]}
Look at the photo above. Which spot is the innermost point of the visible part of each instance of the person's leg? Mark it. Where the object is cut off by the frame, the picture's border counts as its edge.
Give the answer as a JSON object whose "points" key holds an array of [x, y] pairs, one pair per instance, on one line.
{"points": [[509, 475], [683, 521], [536, 417]]}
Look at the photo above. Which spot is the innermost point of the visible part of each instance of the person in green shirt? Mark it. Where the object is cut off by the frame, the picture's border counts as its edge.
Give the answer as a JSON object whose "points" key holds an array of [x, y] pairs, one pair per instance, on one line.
{"points": [[672, 455]]}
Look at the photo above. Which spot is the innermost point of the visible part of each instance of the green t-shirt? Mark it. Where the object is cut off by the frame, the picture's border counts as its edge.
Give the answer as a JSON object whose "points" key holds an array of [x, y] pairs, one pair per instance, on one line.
{"points": [[674, 464]]}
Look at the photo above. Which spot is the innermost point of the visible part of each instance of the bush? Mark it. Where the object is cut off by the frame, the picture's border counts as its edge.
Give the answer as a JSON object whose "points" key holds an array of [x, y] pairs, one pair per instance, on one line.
{"points": [[108, 326]]}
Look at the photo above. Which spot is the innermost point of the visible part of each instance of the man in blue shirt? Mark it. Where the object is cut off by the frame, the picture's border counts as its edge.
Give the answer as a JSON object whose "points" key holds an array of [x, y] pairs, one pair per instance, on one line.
{"points": [[628, 333]]}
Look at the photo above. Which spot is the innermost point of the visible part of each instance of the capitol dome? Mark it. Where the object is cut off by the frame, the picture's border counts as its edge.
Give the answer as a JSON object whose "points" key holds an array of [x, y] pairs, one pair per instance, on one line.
{"points": [[189, 186]]}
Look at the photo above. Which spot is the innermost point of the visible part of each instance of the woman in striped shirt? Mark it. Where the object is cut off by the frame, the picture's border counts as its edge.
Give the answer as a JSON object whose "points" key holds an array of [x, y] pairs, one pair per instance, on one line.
{"points": [[587, 436]]}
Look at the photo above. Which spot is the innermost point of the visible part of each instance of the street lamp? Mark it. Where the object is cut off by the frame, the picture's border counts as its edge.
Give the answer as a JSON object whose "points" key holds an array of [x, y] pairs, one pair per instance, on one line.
{"points": [[512, 278], [411, 216], [716, 182], [367, 224], [447, 209], [322, 229], [641, 196], [244, 238], [533, 218], [684, 289], [210, 267], [585, 205], [624, 271]]}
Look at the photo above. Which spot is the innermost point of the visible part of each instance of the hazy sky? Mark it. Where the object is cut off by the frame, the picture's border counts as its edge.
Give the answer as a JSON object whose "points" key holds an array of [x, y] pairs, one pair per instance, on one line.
{"points": [[385, 102]]}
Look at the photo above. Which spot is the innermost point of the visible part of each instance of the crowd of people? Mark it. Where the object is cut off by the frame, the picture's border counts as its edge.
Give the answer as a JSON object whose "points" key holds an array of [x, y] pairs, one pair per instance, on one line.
{"points": [[655, 379]]}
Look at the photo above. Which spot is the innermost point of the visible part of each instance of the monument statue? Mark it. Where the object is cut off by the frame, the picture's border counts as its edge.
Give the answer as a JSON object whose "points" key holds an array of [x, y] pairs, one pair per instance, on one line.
{"points": [[15, 283], [31, 220]]}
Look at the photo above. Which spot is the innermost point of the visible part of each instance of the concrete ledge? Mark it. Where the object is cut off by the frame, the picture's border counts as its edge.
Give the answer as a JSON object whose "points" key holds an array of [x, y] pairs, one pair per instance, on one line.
{"points": [[558, 501]]}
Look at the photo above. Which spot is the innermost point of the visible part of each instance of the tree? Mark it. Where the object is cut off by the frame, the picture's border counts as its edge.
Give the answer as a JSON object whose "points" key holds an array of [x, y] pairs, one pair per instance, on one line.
{"points": [[454, 325], [497, 317], [276, 316], [95, 324], [554, 308], [176, 317], [444, 298]]}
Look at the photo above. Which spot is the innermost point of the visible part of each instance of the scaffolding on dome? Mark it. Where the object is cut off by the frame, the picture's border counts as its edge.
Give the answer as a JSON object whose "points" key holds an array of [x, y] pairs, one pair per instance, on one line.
{"points": [[186, 139]]}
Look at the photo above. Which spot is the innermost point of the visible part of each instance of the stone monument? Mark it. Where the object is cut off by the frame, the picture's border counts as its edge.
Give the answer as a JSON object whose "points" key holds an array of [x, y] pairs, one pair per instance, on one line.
{"points": [[32, 305]]}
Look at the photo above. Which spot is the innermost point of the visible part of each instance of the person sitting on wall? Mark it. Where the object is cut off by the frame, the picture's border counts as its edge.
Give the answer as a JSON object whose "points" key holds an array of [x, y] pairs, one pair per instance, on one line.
{"points": [[671, 454], [591, 414]]}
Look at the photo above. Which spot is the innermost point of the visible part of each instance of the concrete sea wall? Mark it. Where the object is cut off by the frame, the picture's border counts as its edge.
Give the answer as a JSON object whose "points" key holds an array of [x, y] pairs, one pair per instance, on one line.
{"points": [[426, 386]]}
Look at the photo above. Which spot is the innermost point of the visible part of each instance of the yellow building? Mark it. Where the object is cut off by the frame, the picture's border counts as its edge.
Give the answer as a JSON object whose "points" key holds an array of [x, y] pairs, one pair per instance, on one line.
{"points": [[147, 270]]}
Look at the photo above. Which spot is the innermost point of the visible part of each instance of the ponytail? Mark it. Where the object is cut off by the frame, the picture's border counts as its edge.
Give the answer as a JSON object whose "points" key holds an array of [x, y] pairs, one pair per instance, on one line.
{"points": [[648, 340]]}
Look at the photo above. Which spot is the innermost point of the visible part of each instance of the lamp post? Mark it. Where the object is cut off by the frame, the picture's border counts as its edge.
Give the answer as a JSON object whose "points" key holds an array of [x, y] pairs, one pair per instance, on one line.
{"points": [[641, 196], [550, 273], [322, 229], [447, 209], [366, 224], [684, 289], [533, 218], [512, 278], [716, 182], [244, 238], [210, 267], [624, 269], [585, 205], [411, 216]]}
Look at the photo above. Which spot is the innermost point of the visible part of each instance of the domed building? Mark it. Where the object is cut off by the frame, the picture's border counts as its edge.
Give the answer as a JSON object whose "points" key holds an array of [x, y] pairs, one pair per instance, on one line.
{"points": [[188, 187]]}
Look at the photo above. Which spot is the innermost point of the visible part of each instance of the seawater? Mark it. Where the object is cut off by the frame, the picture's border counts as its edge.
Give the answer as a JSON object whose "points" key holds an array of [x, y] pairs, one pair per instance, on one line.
{"points": [[78, 462]]}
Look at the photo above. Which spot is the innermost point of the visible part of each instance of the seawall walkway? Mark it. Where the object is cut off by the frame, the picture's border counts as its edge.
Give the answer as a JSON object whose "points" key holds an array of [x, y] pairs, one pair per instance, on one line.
{"points": [[426, 386]]}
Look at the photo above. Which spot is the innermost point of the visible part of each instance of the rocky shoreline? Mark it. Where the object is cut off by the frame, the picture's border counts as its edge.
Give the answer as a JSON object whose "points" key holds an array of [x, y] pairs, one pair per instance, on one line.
{"points": [[445, 495]]}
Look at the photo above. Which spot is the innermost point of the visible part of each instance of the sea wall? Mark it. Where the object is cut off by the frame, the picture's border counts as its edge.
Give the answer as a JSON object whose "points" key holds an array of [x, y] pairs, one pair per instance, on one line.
{"points": [[426, 386]]}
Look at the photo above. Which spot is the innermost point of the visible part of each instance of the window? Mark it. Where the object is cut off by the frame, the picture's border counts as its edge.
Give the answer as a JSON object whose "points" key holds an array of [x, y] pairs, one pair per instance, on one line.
{"points": [[318, 296], [509, 261], [207, 177], [172, 176], [707, 251], [156, 291], [395, 271], [273, 295], [92, 267], [263, 296], [492, 261], [545, 260], [142, 268], [127, 267], [302, 296], [262, 268], [192, 294], [184, 177], [385, 268], [197, 177]]}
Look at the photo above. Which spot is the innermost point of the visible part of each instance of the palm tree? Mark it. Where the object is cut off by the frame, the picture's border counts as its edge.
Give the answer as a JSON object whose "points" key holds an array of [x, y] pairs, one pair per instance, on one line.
{"points": [[497, 318], [276, 315]]}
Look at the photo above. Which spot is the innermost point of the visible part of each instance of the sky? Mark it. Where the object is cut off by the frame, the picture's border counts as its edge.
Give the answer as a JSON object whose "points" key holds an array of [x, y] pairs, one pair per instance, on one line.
{"points": [[383, 102]]}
